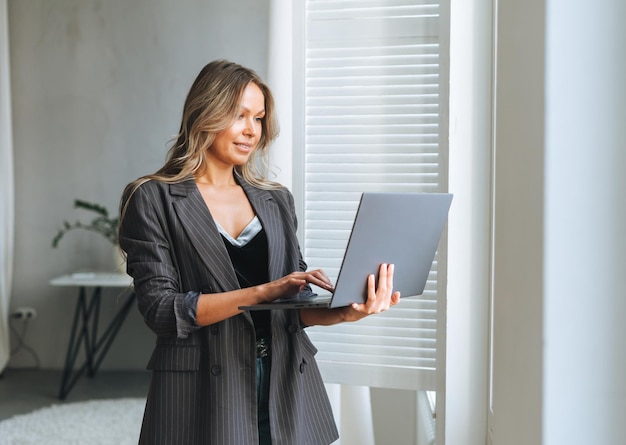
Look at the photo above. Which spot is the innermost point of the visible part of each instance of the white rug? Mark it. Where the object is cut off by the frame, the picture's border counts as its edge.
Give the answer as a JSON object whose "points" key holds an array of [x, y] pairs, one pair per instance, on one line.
{"points": [[95, 422]]}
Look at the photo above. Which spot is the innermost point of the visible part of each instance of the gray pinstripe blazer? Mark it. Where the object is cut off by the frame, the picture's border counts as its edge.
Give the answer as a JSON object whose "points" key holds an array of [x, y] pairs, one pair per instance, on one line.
{"points": [[203, 387]]}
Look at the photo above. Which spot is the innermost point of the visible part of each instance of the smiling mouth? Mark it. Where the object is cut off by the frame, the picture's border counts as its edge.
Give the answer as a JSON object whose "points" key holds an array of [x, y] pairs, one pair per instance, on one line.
{"points": [[244, 147]]}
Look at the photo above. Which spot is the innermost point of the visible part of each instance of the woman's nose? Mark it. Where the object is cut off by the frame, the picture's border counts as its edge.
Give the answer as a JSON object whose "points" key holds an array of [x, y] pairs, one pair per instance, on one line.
{"points": [[250, 128]]}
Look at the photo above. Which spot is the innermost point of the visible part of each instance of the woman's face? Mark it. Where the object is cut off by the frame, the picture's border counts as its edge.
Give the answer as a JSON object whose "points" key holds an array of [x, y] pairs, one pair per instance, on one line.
{"points": [[234, 145]]}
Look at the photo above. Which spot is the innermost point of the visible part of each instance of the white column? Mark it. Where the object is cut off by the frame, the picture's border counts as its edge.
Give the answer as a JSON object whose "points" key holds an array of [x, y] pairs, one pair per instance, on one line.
{"points": [[280, 80], [585, 224], [6, 187], [356, 425], [515, 405], [466, 390]]}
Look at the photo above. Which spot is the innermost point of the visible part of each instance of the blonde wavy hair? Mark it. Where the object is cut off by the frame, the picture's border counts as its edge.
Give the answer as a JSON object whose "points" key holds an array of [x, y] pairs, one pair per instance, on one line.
{"points": [[211, 107]]}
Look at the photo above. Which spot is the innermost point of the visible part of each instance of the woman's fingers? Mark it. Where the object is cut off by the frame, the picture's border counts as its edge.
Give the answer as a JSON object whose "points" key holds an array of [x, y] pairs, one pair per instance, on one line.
{"points": [[293, 283], [319, 278], [381, 297], [389, 277], [371, 287]]}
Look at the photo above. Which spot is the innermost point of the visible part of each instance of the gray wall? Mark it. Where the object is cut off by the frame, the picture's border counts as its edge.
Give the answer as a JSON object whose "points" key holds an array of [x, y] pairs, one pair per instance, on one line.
{"points": [[98, 88]]}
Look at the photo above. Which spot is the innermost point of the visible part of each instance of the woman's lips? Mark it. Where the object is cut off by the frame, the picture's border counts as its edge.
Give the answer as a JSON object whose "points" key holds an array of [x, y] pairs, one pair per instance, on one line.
{"points": [[243, 147]]}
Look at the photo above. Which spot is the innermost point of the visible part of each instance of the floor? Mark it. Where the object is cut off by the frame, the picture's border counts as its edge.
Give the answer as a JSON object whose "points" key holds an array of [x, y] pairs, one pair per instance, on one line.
{"points": [[24, 390]]}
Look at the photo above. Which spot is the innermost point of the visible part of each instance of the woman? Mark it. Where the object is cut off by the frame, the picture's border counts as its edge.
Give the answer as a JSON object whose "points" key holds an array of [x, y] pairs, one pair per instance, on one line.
{"points": [[208, 233]]}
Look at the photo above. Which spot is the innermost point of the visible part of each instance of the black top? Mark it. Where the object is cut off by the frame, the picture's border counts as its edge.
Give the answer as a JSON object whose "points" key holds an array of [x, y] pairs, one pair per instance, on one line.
{"points": [[251, 264]]}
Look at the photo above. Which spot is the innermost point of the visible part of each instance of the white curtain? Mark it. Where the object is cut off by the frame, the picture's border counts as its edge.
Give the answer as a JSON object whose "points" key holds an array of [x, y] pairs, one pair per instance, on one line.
{"points": [[6, 188], [351, 404]]}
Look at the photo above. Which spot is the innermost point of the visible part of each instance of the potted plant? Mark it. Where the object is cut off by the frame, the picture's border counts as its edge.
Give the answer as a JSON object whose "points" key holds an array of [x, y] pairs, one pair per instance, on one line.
{"points": [[102, 224]]}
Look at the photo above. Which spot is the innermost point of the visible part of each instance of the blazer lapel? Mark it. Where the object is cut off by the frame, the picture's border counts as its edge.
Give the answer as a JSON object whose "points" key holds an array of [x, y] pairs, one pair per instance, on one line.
{"points": [[268, 212], [200, 227]]}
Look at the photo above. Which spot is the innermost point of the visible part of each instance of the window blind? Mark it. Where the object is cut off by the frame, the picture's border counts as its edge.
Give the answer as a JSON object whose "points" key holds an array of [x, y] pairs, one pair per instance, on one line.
{"points": [[372, 122]]}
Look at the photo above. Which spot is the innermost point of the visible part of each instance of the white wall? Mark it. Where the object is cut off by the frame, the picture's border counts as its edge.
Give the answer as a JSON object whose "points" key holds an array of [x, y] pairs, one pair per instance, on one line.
{"points": [[584, 386], [560, 247], [97, 90]]}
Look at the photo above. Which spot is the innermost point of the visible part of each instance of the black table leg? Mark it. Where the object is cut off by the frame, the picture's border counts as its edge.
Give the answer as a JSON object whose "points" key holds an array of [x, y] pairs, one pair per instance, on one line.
{"points": [[85, 333]]}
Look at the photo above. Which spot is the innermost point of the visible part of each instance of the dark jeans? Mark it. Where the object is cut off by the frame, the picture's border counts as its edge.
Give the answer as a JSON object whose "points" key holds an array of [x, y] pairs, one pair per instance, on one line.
{"points": [[263, 388]]}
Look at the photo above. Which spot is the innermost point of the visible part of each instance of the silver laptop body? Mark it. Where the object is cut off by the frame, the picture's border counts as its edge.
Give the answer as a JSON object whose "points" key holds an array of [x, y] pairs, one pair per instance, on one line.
{"points": [[403, 229]]}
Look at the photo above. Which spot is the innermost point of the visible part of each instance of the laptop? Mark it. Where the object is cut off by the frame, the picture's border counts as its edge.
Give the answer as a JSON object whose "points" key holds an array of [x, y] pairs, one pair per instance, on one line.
{"points": [[403, 229]]}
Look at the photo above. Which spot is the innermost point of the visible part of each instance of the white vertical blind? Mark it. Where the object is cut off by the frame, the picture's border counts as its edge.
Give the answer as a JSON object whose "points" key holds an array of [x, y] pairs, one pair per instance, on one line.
{"points": [[372, 122]]}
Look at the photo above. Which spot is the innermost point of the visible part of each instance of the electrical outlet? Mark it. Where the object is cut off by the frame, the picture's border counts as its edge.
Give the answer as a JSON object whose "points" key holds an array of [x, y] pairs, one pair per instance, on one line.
{"points": [[24, 313]]}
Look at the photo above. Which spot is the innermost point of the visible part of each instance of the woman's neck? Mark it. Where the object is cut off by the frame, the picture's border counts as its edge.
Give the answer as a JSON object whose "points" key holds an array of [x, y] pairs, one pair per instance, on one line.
{"points": [[216, 177]]}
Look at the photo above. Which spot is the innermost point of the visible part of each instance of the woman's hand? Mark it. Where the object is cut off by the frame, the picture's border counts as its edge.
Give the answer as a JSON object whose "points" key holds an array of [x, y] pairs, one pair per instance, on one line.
{"points": [[222, 305], [379, 299], [292, 284]]}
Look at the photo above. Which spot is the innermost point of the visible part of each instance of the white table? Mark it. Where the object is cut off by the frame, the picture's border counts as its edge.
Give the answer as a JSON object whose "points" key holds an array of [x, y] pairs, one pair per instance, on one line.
{"points": [[86, 318]]}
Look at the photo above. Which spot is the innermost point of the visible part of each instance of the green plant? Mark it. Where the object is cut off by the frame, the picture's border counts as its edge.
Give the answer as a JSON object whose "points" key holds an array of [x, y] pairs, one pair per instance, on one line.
{"points": [[102, 224]]}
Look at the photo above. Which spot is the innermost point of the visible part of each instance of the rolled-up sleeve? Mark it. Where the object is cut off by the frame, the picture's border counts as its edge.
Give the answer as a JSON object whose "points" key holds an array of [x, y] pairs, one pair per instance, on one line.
{"points": [[144, 238]]}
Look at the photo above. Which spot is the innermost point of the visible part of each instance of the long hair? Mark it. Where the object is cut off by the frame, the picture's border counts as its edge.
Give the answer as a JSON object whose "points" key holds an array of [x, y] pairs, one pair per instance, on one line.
{"points": [[210, 107]]}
